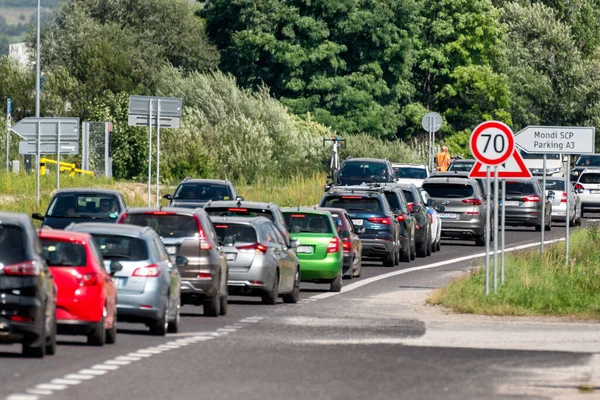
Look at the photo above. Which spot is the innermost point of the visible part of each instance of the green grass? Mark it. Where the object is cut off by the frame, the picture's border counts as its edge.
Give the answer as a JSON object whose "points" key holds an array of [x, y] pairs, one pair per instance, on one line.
{"points": [[296, 191], [536, 284]]}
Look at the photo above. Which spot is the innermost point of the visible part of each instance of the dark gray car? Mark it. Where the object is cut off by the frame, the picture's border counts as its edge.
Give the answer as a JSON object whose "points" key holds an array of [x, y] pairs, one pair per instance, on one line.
{"points": [[523, 203], [194, 193], [192, 243]]}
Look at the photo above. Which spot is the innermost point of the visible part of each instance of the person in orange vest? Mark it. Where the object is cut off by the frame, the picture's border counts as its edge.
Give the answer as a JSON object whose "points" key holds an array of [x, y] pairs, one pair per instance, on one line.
{"points": [[443, 159]]}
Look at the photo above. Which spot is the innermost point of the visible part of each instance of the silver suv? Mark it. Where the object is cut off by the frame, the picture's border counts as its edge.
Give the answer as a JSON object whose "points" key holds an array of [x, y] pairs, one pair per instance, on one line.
{"points": [[464, 213]]}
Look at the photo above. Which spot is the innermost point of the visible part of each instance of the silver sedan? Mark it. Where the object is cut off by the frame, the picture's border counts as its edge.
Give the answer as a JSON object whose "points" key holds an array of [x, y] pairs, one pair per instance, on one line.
{"points": [[148, 286], [559, 202]]}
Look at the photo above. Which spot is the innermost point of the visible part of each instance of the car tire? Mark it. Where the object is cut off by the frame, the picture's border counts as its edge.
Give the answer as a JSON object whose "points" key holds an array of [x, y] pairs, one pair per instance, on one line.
{"points": [[336, 283], [358, 271], [294, 295], [174, 324], [160, 326], [224, 302], [390, 259], [37, 351], [405, 253], [429, 244], [439, 244], [538, 228], [98, 336], [413, 250], [51, 340], [480, 240], [422, 249], [111, 334], [212, 306], [270, 297]]}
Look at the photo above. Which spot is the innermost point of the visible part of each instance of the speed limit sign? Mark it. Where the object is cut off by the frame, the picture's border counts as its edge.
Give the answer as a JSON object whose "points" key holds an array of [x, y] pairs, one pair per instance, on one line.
{"points": [[492, 143]]}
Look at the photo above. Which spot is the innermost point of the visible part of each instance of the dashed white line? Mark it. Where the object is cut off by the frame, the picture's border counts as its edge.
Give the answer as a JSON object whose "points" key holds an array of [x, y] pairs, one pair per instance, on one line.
{"points": [[93, 371], [50, 386], [66, 381], [79, 376], [116, 363]]}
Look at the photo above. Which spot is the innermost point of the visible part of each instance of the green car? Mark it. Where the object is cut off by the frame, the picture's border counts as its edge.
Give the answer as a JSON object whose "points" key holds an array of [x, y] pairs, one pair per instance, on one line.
{"points": [[320, 250]]}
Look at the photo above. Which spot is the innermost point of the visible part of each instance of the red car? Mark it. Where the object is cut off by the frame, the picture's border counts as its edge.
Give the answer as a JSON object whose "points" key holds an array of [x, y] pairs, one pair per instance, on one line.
{"points": [[86, 302]]}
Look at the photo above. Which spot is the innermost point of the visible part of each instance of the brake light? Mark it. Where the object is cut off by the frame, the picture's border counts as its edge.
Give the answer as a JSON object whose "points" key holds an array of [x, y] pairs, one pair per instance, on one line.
{"points": [[204, 275], [121, 218], [578, 186], [401, 218], [563, 199], [346, 245], [475, 202], [238, 209], [28, 268], [431, 218], [298, 216], [19, 318], [380, 220], [334, 245], [351, 197], [204, 242], [159, 213], [410, 208], [531, 199], [88, 279], [149, 271], [257, 248]]}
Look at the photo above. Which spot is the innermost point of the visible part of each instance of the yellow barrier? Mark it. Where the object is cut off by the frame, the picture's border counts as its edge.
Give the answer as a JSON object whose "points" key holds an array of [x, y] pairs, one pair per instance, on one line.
{"points": [[64, 167]]}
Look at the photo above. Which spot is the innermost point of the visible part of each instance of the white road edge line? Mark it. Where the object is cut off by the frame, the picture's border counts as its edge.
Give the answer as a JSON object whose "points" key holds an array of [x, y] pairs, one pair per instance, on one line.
{"points": [[354, 286]]}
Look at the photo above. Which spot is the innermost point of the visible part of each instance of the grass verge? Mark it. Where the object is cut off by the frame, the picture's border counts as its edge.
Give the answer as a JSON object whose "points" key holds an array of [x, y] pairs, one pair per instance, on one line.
{"points": [[536, 285]]}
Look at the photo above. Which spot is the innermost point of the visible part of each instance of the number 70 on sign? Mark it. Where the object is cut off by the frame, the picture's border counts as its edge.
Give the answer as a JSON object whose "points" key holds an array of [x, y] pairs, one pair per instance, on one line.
{"points": [[492, 143]]}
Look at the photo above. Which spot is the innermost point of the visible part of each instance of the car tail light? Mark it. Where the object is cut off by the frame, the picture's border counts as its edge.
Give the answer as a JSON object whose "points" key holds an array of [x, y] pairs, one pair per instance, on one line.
{"points": [[149, 271], [28, 268], [122, 218], [204, 275], [346, 245], [298, 216], [472, 213], [204, 242], [401, 218], [380, 220], [237, 209], [257, 248], [159, 213], [88, 279], [475, 202], [563, 199], [578, 186], [410, 207], [431, 218], [20, 318], [531, 199], [334, 245]]}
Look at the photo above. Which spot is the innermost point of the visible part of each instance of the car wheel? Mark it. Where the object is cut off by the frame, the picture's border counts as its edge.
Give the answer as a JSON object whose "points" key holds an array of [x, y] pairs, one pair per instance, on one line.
{"points": [[111, 334], [480, 240], [272, 295], [336, 284], [405, 254], [390, 259], [422, 249], [439, 244], [38, 350], [538, 228], [174, 324], [98, 336], [224, 302], [350, 272], [413, 249], [294, 296], [358, 270], [160, 326], [51, 340], [212, 306]]}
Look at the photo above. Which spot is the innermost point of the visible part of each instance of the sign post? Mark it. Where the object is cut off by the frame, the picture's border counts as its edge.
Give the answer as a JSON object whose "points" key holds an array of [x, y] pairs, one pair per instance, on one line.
{"points": [[8, 124], [431, 122]]}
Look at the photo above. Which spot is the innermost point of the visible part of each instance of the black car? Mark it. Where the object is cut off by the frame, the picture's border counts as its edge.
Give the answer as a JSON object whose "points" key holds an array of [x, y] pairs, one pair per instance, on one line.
{"points": [[27, 289], [462, 174], [369, 208], [461, 165], [82, 205], [355, 171], [397, 201], [418, 208], [242, 208], [194, 193]]}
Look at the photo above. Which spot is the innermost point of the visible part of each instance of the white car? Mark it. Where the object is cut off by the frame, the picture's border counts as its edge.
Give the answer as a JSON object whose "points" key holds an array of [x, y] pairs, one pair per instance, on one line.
{"points": [[588, 189], [436, 223], [411, 173]]}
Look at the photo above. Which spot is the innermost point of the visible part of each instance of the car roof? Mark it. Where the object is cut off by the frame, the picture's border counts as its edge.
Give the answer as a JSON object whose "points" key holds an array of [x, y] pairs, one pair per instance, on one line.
{"points": [[170, 210], [594, 170], [241, 204], [422, 166], [14, 218], [198, 180], [305, 210], [449, 179], [334, 210], [111, 229], [64, 235], [379, 160], [239, 220], [88, 190], [462, 160]]}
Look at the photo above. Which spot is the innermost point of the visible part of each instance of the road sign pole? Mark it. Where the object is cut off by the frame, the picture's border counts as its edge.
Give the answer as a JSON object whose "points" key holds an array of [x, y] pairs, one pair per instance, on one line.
{"points": [[502, 232], [8, 117], [37, 159], [58, 158], [38, 68], [495, 230], [487, 233], [543, 204], [567, 220], [431, 150], [150, 153], [158, 153]]}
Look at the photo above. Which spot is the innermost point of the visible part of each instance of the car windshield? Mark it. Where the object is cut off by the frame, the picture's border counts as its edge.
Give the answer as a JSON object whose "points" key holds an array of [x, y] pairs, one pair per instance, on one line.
{"points": [[166, 225], [555, 184], [449, 190], [240, 232], [307, 223], [590, 178], [84, 205], [461, 166], [202, 191], [519, 188], [587, 161], [239, 212], [368, 171], [355, 203], [410, 172], [63, 254], [114, 247], [549, 156], [12, 245]]}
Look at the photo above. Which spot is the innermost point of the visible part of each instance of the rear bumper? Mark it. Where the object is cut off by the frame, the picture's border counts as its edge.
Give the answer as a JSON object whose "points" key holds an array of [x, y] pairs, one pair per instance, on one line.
{"points": [[376, 247], [12, 331], [590, 200], [74, 327], [472, 228], [325, 269], [141, 307], [533, 218], [258, 278]]}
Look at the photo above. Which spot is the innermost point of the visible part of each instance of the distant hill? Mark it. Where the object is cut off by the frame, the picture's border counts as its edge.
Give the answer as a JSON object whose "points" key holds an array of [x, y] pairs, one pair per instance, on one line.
{"points": [[16, 17], [28, 3]]}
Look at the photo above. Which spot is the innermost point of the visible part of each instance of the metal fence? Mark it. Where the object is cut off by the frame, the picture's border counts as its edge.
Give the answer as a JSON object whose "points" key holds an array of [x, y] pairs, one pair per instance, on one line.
{"points": [[96, 151]]}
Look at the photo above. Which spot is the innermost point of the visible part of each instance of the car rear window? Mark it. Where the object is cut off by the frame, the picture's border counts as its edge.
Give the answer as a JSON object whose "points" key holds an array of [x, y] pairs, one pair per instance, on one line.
{"points": [[166, 225], [340, 221], [354, 203], [63, 254], [526, 188], [364, 169], [590, 178], [307, 223], [555, 184], [409, 196], [12, 245], [393, 201], [84, 205], [202, 191], [410, 173], [461, 166], [114, 247], [449, 190], [239, 212], [241, 232]]}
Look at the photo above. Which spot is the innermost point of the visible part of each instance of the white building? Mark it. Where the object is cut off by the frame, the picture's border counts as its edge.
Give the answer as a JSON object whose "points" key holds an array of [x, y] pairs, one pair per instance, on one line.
{"points": [[21, 54]]}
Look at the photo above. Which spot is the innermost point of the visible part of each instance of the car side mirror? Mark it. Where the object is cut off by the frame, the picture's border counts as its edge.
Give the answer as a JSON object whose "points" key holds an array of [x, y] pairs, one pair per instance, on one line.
{"points": [[115, 267], [181, 261], [431, 202], [37, 216], [360, 230], [168, 197], [416, 209], [440, 208], [295, 243], [229, 241]]}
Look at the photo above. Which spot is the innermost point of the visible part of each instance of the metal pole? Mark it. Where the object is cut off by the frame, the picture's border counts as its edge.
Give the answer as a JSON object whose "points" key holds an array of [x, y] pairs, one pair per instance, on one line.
{"points": [[487, 234], [83, 149], [568, 191], [37, 158], [431, 133], [8, 115], [543, 205], [150, 153], [502, 238], [158, 153], [495, 230], [37, 95], [58, 158]]}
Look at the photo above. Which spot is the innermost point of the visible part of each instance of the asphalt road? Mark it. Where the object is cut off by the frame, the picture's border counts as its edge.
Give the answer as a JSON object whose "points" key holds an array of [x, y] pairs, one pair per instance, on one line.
{"points": [[328, 346]]}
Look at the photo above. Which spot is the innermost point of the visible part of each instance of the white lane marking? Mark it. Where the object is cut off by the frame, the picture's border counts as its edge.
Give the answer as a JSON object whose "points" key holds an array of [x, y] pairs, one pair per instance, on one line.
{"points": [[20, 396], [39, 391], [92, 371], [150, 351], [104, 367], [367, 281], [117, 362], [66, 381], [226, 330], [139, 355], [50, 386], [184, 334], [127, 358], [79, 376]]}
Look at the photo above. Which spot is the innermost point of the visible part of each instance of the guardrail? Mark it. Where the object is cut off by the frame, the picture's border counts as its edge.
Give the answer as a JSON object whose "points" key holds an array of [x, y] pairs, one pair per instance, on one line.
{"points": [[64, 167]]}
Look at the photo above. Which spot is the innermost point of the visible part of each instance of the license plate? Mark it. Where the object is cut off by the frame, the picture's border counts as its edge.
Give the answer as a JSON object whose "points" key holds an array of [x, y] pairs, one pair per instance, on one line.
{"points": [[594, 191], [231, 257], [448, 216], [357, 222], [119, 282], [512, 203], [171, 249], [305, 249]]}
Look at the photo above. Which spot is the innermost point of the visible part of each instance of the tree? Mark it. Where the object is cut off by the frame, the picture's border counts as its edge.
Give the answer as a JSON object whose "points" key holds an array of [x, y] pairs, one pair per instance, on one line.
{"points": [[348, 62]]}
